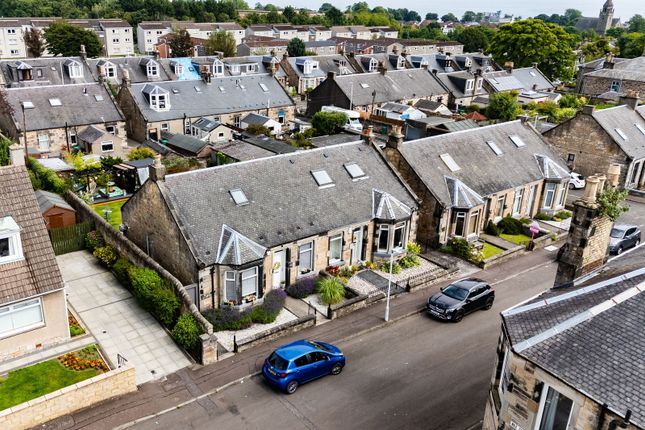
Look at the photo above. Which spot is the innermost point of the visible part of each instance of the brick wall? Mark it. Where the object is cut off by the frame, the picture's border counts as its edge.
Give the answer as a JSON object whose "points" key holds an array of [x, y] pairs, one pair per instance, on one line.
{"points": [[70, 399]]}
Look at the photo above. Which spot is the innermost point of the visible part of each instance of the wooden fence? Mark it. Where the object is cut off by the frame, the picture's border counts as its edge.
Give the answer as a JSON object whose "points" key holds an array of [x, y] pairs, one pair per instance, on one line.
{"points": [[70, 238]]}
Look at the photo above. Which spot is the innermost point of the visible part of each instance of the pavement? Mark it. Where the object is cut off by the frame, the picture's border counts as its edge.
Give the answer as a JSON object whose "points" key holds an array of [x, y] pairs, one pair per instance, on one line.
{"points": [[113, 317], [196, 384]]}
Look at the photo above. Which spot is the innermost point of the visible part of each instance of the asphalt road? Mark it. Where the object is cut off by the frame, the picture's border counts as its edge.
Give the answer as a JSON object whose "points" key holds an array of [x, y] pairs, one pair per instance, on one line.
{"points": [[415, 373]]}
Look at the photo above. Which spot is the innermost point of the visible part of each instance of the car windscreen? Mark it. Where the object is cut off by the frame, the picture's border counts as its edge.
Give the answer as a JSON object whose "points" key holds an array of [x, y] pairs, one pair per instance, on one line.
{"points": [[278, 362], [318, 345], [455, 292], [617, 233]]}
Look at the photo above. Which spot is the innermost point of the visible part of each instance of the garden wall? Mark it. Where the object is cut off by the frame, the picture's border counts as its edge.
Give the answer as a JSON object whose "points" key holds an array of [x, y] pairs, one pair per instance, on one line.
{"points": [[114, 383], [275, 332], [356, 302]]}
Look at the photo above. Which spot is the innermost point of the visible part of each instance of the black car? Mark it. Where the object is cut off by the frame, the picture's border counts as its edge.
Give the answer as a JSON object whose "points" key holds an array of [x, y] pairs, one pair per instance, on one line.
{"points": [[460, 298]]}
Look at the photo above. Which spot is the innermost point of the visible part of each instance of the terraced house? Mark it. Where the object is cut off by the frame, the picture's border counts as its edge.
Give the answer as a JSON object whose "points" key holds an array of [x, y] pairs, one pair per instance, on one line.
{"points": [[236, 235], [467, 178]]}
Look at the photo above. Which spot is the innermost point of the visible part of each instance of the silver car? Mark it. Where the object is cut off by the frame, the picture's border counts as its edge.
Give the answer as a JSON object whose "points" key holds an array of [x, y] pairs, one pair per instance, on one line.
{"points": [[624, 237]]}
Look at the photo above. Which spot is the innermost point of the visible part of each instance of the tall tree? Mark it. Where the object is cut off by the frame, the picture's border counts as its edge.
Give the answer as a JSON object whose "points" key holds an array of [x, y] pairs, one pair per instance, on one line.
{"points": [[572, 16], [469, 16], [535, 41], [449, 17], [335, 16], [66, 40], [432, 16], [181, 45], [503, 106], [289, 13], [34, 42], [637, 24], [296, 47], [221, 41], [474, 39]]}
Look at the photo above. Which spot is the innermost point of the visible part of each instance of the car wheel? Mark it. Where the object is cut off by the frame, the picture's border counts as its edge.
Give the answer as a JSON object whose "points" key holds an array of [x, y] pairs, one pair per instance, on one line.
{"points": [[336, 369], [638, 242], [619, 250], [571, 186], [489, 303], [292, 387], [459, 315]]}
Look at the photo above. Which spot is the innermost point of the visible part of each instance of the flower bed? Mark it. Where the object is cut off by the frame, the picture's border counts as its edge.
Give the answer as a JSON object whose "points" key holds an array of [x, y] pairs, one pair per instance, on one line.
{"points": [[75, 328]]}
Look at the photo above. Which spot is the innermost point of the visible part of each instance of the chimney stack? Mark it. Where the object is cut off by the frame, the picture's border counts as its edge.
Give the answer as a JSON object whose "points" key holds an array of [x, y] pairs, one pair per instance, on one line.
{"points": [[101, 69], [368, 133], [157, 170], [125, 80], [395, 138], [381, 68], [83, 53], [17, 155], [630, 99], [331, 75], [609, 61], [613, 174], [509, 65], [588, 109]]}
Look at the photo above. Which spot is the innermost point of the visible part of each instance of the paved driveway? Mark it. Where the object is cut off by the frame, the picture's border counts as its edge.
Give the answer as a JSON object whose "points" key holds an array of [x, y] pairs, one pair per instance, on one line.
{"points": [[115, 319]]}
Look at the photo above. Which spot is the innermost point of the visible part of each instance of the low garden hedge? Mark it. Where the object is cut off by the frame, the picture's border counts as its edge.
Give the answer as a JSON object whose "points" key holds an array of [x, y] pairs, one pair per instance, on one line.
{"points": [[302, 288]]}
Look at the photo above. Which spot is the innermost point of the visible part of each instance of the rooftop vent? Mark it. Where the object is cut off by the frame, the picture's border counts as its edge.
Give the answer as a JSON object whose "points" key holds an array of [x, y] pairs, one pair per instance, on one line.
{"points": [[640, 128], [98, 97], [621, 133], [27, 105], [364, 85]]}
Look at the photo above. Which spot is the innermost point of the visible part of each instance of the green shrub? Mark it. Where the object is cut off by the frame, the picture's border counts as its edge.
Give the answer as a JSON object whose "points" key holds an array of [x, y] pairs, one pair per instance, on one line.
{"points": [[492, 229], [165, 305], [145, 282], [186, 332], [76, 330], [543, 217], [413, 248], [45, 178], [385, 267], [510, 225], [120, 269], [260, 315], [460, 247], [410, 260], [526, 221], [346, 272], [562, 215], [331, 290], [302, 288], [93, 240], [228, 318], [106, 255]]}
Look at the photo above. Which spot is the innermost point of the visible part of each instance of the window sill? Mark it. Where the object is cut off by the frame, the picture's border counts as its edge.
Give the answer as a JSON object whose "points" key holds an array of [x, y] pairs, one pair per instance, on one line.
{"points": [[21, 330], [336, 263]]}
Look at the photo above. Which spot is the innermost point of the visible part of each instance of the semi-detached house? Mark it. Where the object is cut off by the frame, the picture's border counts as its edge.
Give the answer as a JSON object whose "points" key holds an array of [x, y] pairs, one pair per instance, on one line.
{"points": [[233, 235]]}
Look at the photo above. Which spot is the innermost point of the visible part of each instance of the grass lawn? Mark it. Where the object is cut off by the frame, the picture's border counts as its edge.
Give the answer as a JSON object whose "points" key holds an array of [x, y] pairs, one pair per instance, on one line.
{"points": [[115, 207], [489, 250], [34, 381], [519, 239]]}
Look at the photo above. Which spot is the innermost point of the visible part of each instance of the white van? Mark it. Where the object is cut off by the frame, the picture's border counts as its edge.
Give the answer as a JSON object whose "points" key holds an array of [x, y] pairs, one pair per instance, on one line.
{"points": [[353, 123]]}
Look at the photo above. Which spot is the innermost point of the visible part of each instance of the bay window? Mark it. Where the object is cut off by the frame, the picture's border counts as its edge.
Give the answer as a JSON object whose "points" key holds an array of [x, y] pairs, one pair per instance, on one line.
{"points": [[383, 238], [230, 290], [306, 257], [250, 282], [460, 222], [241, 286], [20, 316], [399, 236], [391, 237], [555, 410], [336, 249], [563, 193], [549, 194]]}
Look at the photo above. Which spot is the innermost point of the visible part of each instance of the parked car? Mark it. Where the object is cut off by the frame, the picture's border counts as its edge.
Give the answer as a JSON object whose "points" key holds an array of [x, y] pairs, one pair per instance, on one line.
{"points": [[302, 361], [623, 237], [460, 298], [577, 181]]}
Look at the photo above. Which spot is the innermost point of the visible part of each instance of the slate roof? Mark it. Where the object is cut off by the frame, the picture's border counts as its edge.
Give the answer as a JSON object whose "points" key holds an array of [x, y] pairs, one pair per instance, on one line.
{"points": [[45, 71], [394, 85], [183, 143], [38, 273], [335, 63], [629, 70], [588, 22], [269, 144], [528, 78], [243, 151], [284, 209], [439, 62], [456, 84], [211, 100], [47, 200], [334, 139], [297, 64], [256, 119], [625, 119], [598, 352], [134, 66], [91, 134], [81, 104], [479, 166]]}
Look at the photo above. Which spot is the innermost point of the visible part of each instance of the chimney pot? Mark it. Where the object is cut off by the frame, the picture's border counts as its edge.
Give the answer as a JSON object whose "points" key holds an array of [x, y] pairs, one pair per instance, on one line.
{"points": [[613, 173], [331, 75], [591, 189]]}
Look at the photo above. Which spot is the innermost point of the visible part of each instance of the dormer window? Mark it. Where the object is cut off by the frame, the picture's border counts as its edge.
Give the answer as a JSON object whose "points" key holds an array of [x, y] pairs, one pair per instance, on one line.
{"points": [[235, 69], [152, 69], [373, 65], [252, 68], [179, 69], [110, 70], [74, 69], [479, 84], [158, 98], [400, 63], [10, 244], [218, 68], [470, 84]]}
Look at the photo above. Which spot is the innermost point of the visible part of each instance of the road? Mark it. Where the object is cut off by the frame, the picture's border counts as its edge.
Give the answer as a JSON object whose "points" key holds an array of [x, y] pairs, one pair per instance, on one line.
{"points": [[415, 373]]}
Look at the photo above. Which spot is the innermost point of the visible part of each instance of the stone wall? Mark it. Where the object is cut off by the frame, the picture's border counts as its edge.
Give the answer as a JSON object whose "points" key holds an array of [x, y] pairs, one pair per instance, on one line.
{"points": [[594, 150], [596, 85], [134, 254], [276, 332], [111, 384]]}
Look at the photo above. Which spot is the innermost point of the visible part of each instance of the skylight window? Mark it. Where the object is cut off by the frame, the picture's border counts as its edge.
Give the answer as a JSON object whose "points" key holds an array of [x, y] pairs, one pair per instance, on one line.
{"points": [[322, 178], [98, 97], [175, 90], [239, 197], [355, 171], [517, 141], [532, 74], [364, 85], [448, 160], [621, 133], [494, 147], [197, 89], [242, 86], [28, 105], [221, 89], [640, 128], [55, 102], [264, 87]]}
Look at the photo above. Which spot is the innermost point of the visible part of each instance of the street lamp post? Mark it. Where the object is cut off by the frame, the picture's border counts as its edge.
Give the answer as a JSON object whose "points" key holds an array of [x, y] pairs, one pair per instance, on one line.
{"points": [[389, 285]]}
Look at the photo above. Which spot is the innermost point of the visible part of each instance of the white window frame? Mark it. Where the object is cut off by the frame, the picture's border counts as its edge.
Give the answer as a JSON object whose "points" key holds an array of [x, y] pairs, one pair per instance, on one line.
{"points": [[44, 144], [164, 126], [247, 274], [373, 65], [547, 190], [334, 238], [229, 276], [531, 200], [398, 226], [561, 195], [152, 69], [501, 388], [11, 31], [464, 229], [75, 70], [110, 71], [517, 201], [16, 308], [543, 396], [306, 249], [111, 129], [15, 244], [107, 142], [157, 100], [470, 84]]}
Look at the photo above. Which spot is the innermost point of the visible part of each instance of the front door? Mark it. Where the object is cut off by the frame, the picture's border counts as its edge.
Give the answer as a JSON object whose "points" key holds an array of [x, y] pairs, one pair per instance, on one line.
{"points": [[279, 268], [357, 246]]}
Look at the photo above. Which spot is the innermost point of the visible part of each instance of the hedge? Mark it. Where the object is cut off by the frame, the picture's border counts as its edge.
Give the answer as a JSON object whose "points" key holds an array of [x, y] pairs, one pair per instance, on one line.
{"points": [[186, 332], [153, 294]]}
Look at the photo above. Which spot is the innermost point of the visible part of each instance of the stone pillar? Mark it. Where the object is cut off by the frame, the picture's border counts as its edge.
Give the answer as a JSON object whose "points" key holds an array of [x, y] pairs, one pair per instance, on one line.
{"points": [[209, 349], [17, 155]]}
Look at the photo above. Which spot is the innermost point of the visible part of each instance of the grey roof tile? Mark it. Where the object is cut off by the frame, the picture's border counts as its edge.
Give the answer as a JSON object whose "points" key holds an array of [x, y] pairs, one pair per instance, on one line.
{"points": [[627, 120]]}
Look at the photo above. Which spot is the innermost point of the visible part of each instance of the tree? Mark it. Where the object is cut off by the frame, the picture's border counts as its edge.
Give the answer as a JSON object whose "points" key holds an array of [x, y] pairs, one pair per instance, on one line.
{"points": [[34, 42], [296, 47], [432, 16], [325, 7], [535, 41], [335, 16], [572, 16], [181, 45], [140, 153], [412, 15], [258, 129], [469, 16], [221, 41], [449, 17], [474, 39], [596, 49], [503, 106], [637, 24], [326, 123], [289, 13], [5, 154], [631, 45], [66, 40]]}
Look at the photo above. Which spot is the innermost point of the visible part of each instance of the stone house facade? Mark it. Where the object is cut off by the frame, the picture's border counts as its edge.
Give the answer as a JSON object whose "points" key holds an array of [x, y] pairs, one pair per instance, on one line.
{"points": [[614, 75], [242, 236], [595, 139], [457, 176]]}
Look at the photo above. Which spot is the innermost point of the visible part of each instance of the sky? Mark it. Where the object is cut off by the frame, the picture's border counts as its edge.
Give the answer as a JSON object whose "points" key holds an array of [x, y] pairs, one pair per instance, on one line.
{"points": [[624, 9]]}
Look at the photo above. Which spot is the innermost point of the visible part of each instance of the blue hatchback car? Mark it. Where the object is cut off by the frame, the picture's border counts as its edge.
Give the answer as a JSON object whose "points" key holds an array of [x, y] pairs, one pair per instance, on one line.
{"points": [[300, 362]]}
